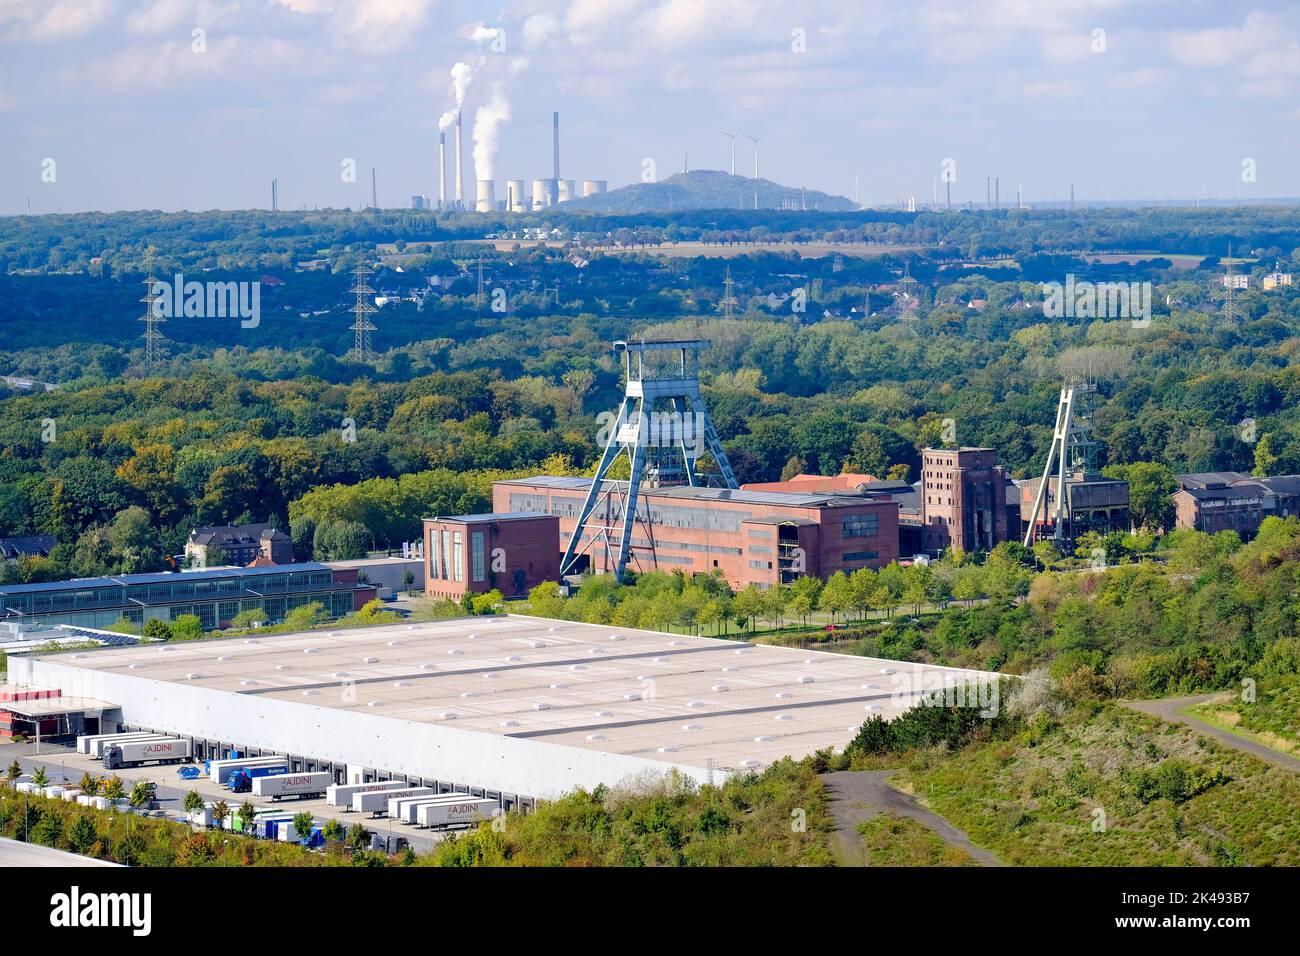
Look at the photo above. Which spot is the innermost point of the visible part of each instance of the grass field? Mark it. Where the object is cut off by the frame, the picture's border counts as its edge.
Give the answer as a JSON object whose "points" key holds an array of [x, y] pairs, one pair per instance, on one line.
{"points": [[1273, 719], [1114, 788], [892, 840]]}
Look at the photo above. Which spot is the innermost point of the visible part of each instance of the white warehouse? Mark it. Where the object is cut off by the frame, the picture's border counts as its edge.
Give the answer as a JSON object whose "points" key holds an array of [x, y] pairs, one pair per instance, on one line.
{"points": [[518, 705]]}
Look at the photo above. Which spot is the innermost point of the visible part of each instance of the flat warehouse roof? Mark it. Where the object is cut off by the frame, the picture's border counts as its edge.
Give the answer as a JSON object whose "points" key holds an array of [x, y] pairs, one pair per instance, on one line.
{"points": [[701, 702]]}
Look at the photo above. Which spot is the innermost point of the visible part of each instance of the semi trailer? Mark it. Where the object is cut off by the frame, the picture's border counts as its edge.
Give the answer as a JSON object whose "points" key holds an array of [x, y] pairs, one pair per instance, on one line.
{"points": [[292, 785], [85, 742], [341, 794], [241, 781], [137, 753], [377, 801], [96, 747], [463, 812], [219, 771]]}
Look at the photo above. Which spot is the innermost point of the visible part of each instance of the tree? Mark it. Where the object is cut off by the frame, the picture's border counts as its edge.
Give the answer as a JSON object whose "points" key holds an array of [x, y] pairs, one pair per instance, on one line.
{"points": [[358, 837], [193, 802], [39, 777], [157, 629], [134, 542], [302, 824], [1150, 486], [114, 790], [801, 606], [247, 813], [141, 794], [249, 618], [747, 605], [15, 771], [837, 595], [187, 627], [332, 831], [220, 811], [82, 834], [89, 785]]}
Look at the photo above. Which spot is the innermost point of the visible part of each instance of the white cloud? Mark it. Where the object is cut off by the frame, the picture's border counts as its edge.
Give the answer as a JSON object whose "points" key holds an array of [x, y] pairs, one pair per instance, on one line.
{"points": [[42, 20], [538, 30]]}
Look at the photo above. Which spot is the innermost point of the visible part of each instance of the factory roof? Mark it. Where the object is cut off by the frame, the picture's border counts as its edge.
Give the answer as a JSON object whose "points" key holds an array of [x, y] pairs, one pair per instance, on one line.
{"points": [[127, 580], [695, 701], [491, 517], [739, 496]]}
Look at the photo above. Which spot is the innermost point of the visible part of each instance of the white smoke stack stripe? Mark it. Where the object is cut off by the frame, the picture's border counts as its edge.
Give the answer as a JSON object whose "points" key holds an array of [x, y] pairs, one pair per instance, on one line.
{"points": [[442, 169], [460, 173]]}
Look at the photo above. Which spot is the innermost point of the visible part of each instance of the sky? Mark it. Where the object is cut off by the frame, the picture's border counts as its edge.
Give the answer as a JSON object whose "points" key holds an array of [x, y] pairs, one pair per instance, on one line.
{"points": [[198, 104]]}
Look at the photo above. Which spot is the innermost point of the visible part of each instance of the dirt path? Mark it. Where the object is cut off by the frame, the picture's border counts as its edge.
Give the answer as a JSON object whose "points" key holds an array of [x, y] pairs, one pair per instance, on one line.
{"points": [[857, 796], [1168, 709]]}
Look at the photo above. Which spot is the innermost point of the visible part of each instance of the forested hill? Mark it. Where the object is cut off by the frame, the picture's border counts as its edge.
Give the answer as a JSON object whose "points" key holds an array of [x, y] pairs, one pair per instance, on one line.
{"points": [[712, 189]]}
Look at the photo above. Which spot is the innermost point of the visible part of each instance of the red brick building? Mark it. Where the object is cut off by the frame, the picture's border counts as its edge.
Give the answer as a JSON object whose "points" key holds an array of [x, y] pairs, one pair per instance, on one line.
{"points": [[476, 553], [964, 500], [752, 537]]}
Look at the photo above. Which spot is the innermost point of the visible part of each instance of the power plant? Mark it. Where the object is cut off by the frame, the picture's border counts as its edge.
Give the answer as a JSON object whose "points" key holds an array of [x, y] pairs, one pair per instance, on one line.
{"points": [[544, 192]]}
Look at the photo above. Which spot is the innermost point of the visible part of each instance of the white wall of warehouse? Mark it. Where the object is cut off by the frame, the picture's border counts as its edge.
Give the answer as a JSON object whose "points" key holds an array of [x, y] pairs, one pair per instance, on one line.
{"points": [[441, 751]]}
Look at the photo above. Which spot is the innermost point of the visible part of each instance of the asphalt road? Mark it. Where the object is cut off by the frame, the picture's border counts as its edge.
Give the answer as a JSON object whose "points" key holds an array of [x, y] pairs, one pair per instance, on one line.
{"points": [[858, 795], [63, 765], [1168, 709]]}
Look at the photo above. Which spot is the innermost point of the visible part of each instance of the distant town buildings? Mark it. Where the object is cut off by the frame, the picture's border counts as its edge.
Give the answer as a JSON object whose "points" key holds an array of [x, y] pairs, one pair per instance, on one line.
{"points": [[32, 546]]}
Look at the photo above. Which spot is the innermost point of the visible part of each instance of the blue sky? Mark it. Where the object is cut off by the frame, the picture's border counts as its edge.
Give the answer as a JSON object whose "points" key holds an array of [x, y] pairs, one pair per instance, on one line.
{"points": [[137, 110]]}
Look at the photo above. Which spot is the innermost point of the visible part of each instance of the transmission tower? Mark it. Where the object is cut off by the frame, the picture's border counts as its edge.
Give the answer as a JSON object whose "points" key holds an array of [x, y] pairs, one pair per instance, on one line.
{"points": [[729, 302], [153, 337], [361, 311], [1231, 283]]}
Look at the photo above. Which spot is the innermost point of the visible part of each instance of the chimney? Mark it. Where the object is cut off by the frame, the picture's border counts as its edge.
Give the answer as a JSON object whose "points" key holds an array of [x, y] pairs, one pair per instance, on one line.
{"points": [[460, 176], [555, 176], [442, 169]]}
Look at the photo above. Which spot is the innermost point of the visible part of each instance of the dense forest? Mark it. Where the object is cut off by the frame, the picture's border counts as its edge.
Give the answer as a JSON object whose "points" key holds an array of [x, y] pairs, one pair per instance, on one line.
{"points": [[120, 458]]}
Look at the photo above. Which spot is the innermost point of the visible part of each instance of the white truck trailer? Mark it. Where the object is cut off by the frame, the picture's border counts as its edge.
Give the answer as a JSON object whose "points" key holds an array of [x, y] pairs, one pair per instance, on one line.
{"points": [[292, 785], [86, 743], [341, 794], [377, 801], [462, 812], [219, 771], [404, 809], [138, 752]]}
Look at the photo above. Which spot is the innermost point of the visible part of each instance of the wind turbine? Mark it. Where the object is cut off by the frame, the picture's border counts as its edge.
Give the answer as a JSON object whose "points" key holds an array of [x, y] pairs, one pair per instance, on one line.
{"points": [[754, 140], [732, 137]]}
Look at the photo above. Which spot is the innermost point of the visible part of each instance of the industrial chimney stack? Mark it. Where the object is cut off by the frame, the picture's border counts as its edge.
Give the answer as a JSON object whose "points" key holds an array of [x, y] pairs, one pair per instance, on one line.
{"points": [[460, 176], [555, 176], [442, 169]]}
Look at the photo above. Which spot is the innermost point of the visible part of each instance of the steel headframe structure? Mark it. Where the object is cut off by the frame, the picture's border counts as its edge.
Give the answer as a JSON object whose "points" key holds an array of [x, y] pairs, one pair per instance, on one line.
{"points": [[651, 382], [1072, 450]]}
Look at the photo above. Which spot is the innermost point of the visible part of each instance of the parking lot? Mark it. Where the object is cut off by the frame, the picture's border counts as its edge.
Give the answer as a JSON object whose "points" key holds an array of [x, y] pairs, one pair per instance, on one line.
{"points": [[64, 766]]}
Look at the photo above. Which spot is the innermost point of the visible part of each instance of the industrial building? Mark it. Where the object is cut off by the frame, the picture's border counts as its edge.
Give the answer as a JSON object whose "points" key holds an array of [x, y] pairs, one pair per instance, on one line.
{"points": [[1229, 501], [1093, 503], [215, 596], [752, 537], [505, 706], [473, 554], [964, 500]]}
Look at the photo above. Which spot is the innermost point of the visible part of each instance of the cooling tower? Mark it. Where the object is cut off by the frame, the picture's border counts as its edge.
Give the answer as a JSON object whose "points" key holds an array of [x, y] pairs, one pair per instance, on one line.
{"points": [[567, 192], [593, 187], [541, 193], [515, 196], [487, 196]]}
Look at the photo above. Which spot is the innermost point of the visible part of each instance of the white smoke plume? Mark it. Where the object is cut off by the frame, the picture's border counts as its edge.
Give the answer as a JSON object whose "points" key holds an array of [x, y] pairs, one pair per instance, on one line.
{"points": [[487, 127], [462, 78], [446, 121]]}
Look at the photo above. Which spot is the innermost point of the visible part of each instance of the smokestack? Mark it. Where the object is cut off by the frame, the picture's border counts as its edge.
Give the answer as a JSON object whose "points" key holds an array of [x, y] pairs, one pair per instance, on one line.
{"points": [[460, 175], [487, 196], [275, 198], [555, 176], [374, 191], [442, 169]]}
